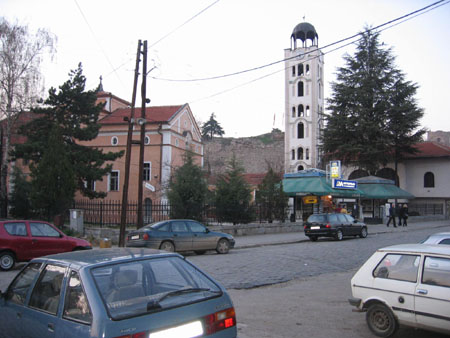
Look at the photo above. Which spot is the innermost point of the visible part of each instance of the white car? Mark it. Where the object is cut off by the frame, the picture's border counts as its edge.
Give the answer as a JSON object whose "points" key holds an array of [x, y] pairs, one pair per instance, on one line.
{"points": [[438, 238], [406, 284]]}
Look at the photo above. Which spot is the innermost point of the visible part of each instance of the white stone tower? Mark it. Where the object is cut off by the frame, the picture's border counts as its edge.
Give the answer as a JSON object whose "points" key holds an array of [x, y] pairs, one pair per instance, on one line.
{"points": [[304, 99]]}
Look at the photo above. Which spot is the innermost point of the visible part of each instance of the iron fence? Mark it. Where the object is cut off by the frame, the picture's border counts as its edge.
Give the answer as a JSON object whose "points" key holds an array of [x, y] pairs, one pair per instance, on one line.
{"points": [[426, 209]]}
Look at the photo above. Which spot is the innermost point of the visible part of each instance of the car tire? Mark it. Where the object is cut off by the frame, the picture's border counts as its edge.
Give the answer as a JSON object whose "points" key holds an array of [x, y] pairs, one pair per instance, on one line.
{"points": [[200, 252], [223, 246], [339, 235], [381, 320], [7, 261], [363, 233], [167, 246], [313, 238]]}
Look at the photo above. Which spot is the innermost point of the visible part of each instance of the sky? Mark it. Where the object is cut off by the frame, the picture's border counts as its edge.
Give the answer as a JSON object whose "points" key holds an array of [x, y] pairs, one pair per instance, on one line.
{"points": [[197, 39]]}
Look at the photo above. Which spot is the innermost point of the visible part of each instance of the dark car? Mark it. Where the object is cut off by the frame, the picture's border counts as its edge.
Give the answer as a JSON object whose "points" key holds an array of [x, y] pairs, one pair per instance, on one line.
{"points": [[333, 225], [117, 292], [21, 241], [180, 235]]}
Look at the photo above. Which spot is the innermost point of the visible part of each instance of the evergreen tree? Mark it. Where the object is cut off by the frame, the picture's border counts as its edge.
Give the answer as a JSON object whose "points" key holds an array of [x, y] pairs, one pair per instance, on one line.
{"points": [[271, 197], [72, 114], [19, 198], [364, 109], [233, 195], [187, 190], [211, 128]]}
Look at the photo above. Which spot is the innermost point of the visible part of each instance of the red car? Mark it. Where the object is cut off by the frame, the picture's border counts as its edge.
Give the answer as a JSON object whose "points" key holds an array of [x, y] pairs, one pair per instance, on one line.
{"points": [[21, 241]]}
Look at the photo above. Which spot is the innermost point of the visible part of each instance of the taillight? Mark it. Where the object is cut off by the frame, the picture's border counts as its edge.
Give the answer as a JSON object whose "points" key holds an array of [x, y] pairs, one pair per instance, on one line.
{"points": [[145, 236], [219, 321], [328, 226], [305, 227]]}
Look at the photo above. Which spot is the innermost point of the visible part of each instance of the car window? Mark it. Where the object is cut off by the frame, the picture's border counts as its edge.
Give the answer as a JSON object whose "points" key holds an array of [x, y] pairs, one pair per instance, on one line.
{"points": [[163, 227], [196, 227], [445, 241], [436, 271], [398, 266], [17, 292], [132, 288], [317, 219], [76, 306], [43, 230], [333, 218], [16, 229], [178, 226], [349, 218], [342, 218], [47, 291]]}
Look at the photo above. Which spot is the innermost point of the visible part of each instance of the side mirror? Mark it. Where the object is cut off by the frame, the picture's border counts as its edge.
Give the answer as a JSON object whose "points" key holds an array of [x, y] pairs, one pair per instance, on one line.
{"points": [[207, 230]]}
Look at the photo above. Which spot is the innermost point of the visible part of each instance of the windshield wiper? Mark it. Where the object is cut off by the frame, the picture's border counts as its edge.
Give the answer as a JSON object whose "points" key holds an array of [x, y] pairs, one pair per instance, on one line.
{"points": [[154, 303]]}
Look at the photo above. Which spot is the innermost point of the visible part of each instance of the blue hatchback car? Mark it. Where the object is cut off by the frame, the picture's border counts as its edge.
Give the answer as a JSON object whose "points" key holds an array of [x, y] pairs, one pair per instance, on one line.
{"points": [[115, 293]]}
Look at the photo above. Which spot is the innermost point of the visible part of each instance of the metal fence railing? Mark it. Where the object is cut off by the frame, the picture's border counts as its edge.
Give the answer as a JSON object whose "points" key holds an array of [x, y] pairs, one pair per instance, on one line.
{"points": [[426, 209]]}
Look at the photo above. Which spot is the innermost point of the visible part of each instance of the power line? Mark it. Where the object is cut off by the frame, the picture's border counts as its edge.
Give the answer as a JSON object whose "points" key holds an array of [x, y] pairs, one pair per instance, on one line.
{"points": [[414, 13]]}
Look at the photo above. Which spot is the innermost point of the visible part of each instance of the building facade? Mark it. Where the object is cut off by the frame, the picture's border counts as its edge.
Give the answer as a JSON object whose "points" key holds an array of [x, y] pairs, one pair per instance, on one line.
{"points": [[304, 99]]}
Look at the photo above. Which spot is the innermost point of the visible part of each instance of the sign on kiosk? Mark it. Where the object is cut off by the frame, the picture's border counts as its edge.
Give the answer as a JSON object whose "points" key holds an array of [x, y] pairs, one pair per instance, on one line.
{"points": [[335, 167]]}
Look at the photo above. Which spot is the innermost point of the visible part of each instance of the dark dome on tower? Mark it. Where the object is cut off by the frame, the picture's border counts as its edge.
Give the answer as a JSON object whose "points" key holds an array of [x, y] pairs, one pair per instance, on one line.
{"points": [[305, 31]]}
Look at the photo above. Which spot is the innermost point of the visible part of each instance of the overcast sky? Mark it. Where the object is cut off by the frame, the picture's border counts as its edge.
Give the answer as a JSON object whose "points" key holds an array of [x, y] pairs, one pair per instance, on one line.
{"points": [[194, 39]]}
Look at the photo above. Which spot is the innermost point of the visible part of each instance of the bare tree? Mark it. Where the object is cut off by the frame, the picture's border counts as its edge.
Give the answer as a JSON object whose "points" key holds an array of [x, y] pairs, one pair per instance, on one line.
{"points": [[21, 84]]}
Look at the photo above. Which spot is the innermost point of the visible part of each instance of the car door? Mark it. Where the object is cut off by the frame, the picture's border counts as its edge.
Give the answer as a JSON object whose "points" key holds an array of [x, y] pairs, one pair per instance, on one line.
{"points": [[19, 240], [354, 228], [432, 302], [182, 237], [46, 240], [343, 224], [202, 238]]}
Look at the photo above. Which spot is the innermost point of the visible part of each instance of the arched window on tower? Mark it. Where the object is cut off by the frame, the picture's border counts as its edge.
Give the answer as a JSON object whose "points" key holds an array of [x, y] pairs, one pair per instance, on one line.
{"points": [[301, 112], [300, 153], [307, 154], [307, 69], [300, 89], [308, 112], [428, 180], [300, 69], [300, 168], [293, 111], [300, 130], [293, 70], [293, 154]]}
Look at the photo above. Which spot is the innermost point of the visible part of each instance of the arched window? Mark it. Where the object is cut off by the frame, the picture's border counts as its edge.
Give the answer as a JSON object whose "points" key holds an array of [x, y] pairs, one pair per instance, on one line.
{"points": [[300, 89], [300, 69], [307, 111], [300, 130], [300, 110], [300, 168], [428, 180], [293, 154], [307, 153], [307, 69], [293, 111], [300, 153], [293, 70]]}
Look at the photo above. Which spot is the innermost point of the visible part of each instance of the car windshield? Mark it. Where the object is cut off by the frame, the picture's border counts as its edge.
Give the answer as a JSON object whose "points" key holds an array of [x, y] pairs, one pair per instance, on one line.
{"points": [[132, 288], [317, 219]]}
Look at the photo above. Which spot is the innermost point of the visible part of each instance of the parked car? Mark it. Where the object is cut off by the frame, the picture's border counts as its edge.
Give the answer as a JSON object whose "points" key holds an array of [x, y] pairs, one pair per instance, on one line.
{"points": [[180, 235], [406, 284], [438, 238], [21, 241], [333, 225], [118, 292]]}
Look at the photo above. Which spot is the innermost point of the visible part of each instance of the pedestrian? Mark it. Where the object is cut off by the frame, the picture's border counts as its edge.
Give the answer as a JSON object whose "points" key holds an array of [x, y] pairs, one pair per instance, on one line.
{"points": [[391, 215], [404, 213], [398, 211]]}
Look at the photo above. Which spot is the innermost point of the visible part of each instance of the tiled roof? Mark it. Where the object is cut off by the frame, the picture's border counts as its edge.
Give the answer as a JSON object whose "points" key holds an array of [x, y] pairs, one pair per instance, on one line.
{"points": [[430, 149], [152, 114]]}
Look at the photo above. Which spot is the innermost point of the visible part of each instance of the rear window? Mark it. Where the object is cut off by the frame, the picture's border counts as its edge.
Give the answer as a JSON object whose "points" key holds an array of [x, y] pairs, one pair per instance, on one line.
{"points": [[399, 267], [16, 229], [151, 285], [317, 219]]}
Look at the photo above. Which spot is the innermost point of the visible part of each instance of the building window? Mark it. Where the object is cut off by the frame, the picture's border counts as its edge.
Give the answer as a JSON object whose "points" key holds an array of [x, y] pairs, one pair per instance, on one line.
{"points": [[113, 181], [300, 89], [300, 69], [307, 69], [300, 153], [300, 130], [293, 154], [300, 168], [293, 70], [89, 185], [147, 140], [147, 174], [293, 111], [307, 154], [307, 111], [428, 180], [176, 142], [114, 140], [301, 112]]}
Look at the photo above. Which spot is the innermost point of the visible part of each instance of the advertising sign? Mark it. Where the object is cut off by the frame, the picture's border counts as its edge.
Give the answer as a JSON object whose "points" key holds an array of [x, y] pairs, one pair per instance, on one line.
{"points": [[344, 184], [310, 199], [335, 167]]}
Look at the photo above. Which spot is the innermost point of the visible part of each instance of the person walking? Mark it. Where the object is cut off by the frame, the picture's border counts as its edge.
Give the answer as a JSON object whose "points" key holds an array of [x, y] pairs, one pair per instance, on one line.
{"points": [[398, 211], [404, 214], [391, 215]]}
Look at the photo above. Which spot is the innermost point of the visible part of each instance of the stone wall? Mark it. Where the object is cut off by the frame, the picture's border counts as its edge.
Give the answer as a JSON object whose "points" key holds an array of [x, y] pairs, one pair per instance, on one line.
{"points": [[255, 154]]}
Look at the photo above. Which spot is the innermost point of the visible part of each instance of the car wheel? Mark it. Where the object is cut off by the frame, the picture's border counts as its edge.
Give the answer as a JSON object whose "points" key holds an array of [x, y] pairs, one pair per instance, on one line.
{"points": [[200, 252], [7, 261], [339, 235], [363, 233], [381, 320], [223, 246], [167, 246], [313, 238]]}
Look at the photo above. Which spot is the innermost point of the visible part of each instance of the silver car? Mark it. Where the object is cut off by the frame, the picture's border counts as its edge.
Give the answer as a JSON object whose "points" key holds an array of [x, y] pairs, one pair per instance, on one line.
{"points": [[438, 238]]}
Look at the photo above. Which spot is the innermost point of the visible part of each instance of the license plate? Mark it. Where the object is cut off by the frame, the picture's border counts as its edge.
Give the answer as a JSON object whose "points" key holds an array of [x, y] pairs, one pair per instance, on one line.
{"points": [[135, 237], [194, 329], [315, 228]]}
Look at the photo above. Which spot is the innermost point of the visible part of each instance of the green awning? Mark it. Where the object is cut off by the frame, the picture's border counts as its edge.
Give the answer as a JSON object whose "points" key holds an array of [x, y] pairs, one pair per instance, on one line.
{"points": [[318, 186], [383, 191]]}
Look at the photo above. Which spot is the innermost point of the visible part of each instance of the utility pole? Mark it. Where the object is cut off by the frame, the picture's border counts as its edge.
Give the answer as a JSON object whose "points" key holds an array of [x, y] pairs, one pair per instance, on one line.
{"points": [[123, 215], [140, 223]]}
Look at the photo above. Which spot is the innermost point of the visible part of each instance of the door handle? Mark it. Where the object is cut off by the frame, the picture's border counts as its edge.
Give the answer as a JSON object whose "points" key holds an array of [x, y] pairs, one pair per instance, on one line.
{"points": [[51, 327], [422, 291], [19, 315]]}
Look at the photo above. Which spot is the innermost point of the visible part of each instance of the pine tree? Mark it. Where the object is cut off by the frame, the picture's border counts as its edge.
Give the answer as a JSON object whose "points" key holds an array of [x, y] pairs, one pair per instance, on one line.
{"points": [[187, 190], [364, 109], [233, 195], [271, 198], [71, 113], [211, 128], [19, 199]]}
